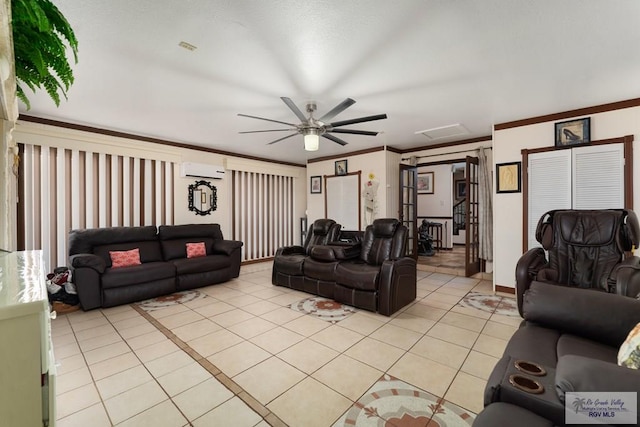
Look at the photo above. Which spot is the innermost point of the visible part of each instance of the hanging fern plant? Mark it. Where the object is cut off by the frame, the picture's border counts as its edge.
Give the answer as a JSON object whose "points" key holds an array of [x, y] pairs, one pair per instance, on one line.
{"points": [[39, 35]]}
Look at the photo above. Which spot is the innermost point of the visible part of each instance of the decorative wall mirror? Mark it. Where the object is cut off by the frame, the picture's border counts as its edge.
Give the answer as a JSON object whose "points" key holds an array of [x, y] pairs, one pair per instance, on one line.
{"points": [[203, 198]]}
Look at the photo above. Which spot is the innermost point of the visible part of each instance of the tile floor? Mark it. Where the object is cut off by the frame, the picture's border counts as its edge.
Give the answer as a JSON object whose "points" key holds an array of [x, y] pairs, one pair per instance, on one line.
{"points": [[449, 261], [241, 357]]}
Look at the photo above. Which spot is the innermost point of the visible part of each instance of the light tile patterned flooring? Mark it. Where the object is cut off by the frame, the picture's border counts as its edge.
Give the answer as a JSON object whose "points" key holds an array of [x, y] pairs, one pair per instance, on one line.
{"points": [[118, 367]]}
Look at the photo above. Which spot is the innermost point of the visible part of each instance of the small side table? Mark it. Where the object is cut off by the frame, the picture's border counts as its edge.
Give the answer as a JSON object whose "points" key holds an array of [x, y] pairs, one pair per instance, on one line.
{"points": [[435, 231]]}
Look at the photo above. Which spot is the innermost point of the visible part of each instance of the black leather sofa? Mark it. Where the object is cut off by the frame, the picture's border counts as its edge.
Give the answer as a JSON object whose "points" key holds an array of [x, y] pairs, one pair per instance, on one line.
{"points": [[164, 267], [574, 335], [373, 274]]}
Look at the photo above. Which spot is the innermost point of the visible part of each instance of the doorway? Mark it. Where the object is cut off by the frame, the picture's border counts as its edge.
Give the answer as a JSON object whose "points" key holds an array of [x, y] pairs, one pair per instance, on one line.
{"points": [[447, 202]]}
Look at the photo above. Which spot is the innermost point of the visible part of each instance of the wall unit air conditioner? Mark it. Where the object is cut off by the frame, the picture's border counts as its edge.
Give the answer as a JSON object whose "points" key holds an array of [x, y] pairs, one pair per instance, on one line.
{"points": [[201, 170]]}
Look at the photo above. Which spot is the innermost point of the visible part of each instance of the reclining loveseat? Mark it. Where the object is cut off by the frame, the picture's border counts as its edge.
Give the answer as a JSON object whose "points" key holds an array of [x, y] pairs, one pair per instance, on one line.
{"points": [[373, 274]]}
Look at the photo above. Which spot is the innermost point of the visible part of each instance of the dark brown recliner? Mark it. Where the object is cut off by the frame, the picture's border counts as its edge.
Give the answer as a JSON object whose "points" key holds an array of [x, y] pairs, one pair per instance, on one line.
{"points": [[289, 260], [382, 279], [586, 249]]}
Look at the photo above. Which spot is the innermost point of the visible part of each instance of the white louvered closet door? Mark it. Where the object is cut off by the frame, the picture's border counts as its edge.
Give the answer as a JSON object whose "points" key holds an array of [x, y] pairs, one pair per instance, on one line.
{"points": [[598, 177], [549, 187], [589, 177]]}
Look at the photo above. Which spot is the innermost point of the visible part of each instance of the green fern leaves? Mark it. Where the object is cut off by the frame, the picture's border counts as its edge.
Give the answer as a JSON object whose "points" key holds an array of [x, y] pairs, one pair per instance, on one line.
{"points": [[39, 35]]}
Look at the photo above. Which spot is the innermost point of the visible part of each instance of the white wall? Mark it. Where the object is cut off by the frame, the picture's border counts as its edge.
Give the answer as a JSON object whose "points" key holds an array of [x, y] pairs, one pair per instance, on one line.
{"points": [[507, 208], [375, 163]]}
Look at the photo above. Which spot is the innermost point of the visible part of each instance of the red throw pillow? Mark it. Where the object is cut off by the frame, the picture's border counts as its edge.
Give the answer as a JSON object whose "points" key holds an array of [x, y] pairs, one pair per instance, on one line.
{"points": [[195, 250], [125, 258]]}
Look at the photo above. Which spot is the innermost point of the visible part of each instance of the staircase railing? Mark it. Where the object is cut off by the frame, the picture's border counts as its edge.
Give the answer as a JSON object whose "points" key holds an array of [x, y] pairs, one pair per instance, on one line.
{"points": [[459, 217]]}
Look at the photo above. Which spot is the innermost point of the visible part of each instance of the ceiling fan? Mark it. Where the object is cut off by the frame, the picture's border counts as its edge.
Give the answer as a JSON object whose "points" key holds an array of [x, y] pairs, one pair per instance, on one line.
{"points": [[312, 129]]}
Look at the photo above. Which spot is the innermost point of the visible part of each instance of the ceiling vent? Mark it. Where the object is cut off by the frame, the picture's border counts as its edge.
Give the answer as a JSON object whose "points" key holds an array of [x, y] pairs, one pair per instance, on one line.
{"points": [[187, 46], [444, 132]]}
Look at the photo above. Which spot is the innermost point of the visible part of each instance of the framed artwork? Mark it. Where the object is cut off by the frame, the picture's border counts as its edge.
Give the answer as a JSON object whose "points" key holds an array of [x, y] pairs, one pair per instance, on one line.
{"points": [[341, 167], [508, 177], [424, 184], [316, 185], [573, 132], [461, 188]]}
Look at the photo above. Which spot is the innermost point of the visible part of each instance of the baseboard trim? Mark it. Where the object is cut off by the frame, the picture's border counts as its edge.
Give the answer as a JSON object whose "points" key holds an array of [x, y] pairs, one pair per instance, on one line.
{"points": [[505, 289]]}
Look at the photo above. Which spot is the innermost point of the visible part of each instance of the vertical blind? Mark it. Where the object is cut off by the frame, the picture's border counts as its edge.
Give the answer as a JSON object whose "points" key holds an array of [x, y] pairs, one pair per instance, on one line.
{"points": [[262, 212], [64, 189]]}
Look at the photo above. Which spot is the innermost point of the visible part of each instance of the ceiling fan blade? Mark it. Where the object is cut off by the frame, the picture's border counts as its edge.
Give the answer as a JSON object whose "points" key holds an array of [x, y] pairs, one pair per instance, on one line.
{"points": [[359, 120], [355, 132], [268, 120], [278, 140], [293, 107], [337, 110], [268, 130], [334, 138]]}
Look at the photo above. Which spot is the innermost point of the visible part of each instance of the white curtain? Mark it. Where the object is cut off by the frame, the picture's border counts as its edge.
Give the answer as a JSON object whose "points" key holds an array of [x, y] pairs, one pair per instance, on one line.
{"points": [[485, 216]]}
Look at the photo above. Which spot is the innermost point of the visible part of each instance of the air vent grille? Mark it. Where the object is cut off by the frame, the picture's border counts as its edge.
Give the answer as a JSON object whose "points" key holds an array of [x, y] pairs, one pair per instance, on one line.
{"points": [[444, 132]]}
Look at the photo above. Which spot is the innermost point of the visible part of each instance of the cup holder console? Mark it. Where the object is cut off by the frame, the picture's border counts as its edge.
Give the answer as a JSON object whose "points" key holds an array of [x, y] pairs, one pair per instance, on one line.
{"points": [[525, 384], [530, 368]]}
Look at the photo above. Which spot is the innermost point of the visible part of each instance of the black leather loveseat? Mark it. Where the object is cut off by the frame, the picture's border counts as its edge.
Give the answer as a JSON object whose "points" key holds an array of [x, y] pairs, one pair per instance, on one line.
{"points": [[373, 274], [164, 267]]}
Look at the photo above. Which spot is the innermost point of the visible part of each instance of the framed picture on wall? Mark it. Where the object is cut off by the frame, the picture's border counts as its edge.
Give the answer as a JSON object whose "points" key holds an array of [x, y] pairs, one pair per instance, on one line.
{"points": [[341, 167], [573, 132], [424, 184], [316, 185], [508, 177]]}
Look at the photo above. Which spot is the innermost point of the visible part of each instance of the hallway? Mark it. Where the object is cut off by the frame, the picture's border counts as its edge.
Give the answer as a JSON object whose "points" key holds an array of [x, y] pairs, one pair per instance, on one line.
{"points": [[444, 261]]}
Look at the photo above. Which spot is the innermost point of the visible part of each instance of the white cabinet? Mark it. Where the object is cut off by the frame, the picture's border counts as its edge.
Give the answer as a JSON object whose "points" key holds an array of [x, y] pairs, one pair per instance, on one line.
{"points": [[27, 371]]}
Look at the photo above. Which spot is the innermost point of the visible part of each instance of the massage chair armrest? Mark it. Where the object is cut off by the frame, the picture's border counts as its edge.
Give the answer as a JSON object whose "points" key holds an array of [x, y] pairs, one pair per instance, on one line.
{"points": [[583, 374], [88, 261], [226, 246], [600, 316], [526, 271], [625, 277]]}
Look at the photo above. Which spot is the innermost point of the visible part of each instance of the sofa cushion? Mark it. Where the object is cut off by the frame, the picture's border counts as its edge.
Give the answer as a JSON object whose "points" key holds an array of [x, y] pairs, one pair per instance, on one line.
{"points": [[572, 344], [84, 241], [195, 250], [125, 258], [290, 264], [200, 264], [320, 270], [146, 272], [149, 251], [171, 232], [629, 354], [358, 275], [177, 248]]}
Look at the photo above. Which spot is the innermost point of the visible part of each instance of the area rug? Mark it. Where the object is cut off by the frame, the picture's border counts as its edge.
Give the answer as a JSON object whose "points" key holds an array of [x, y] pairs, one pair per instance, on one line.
{"points": [[394, 403], [169, 300], [490, 303], [323, 308]]}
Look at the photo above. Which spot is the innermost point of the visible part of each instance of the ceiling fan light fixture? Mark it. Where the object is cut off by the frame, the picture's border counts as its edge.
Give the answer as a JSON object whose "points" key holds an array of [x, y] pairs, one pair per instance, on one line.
{"points": [[311, 140]]}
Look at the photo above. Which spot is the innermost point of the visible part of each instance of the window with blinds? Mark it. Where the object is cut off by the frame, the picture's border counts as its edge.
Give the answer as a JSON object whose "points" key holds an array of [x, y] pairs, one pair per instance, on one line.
{"points": [[590, 177]]}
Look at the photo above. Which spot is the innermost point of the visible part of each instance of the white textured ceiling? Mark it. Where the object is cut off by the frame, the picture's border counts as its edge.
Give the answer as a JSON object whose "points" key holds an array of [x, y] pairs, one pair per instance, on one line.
{"points": [[425, 63]]}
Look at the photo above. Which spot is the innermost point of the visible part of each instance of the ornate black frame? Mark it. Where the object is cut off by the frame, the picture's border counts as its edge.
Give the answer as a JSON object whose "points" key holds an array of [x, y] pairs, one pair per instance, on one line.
{"points": [[214, 198]]}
